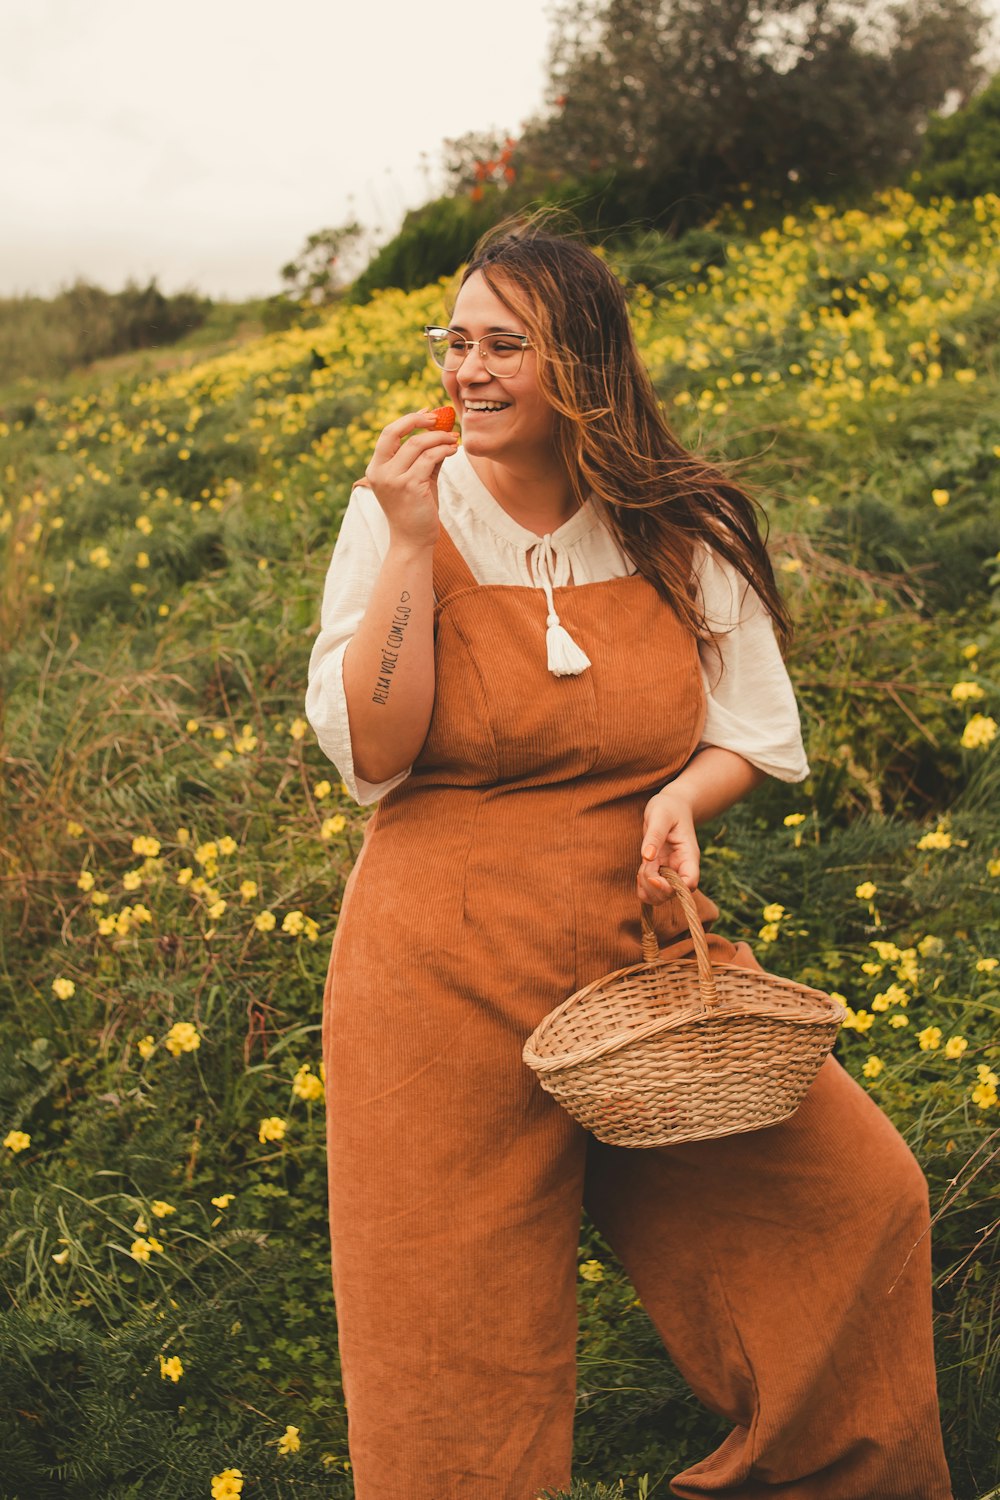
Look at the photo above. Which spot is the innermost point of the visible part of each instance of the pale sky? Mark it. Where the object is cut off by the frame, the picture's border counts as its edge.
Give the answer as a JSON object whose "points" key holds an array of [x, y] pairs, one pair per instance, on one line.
{"points": [[201, 141]]}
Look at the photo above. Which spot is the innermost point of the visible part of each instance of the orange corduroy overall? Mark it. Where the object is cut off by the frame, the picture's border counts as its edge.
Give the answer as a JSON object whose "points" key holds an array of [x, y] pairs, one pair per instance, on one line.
{"points": [[787, 1269]]}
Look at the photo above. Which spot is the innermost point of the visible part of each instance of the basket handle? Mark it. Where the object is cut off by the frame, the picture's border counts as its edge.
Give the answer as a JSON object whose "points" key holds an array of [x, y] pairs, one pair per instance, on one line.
{"points": [[651, 946]]}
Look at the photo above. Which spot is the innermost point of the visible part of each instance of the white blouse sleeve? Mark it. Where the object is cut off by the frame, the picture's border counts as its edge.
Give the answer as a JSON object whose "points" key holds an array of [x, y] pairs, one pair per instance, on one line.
{"points": [[751, 706], [354, 568]]}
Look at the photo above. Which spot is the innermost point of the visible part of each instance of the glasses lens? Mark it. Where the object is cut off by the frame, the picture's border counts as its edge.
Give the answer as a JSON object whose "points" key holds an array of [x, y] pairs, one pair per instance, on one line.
{"points": [[439, 341], [502, 353]]}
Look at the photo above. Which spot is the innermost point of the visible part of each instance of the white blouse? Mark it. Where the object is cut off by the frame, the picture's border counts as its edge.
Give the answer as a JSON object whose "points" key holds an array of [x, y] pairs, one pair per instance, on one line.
{"points": [[750, 704]]}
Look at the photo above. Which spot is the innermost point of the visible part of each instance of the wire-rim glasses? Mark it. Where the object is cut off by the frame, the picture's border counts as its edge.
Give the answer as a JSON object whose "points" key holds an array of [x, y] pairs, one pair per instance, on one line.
{"points": [[501, 353]]}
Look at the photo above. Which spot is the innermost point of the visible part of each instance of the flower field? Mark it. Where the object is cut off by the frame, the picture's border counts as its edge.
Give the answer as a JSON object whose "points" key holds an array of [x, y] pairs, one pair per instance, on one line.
{"points": [[173, 845]]}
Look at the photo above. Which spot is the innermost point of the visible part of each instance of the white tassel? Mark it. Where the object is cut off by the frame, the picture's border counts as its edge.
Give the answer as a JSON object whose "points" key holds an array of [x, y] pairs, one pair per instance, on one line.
{"points": [[566, 659]]}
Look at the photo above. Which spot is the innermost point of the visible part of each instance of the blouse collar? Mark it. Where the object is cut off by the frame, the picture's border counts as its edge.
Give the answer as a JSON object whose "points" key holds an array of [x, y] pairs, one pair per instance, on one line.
{"points": [[493, 515]]}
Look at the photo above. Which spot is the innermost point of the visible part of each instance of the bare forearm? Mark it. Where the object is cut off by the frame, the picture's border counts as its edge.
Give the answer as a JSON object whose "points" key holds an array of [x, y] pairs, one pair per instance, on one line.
{"points": [[713, 780], [389, 666]]}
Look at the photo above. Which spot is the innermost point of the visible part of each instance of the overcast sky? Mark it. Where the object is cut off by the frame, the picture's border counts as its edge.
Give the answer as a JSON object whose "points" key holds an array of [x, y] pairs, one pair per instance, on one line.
{"points": [[201, 141]]}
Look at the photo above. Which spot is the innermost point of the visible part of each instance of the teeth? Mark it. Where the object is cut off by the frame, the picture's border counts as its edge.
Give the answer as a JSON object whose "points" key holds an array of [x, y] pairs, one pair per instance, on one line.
{"points": [[486, 405]]}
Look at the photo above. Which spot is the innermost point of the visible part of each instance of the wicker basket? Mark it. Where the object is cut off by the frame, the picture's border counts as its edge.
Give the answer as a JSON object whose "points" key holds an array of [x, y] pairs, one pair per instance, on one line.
{"points": [[663, 1052]]}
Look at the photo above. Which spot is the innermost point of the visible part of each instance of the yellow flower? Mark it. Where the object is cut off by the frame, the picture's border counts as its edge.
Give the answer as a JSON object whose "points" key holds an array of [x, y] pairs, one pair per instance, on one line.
{"points": [[930, 946], [937, 839], [980, 731], [185, 876], [248, 890], [223, 1200], [183, 1036], [132, 880], [887, 952], [306, 1085], [894, 995], [144, 524], [160, 1210], [146, 846], [289, 1442], [965, 692], [984, 1095], [228, 1485], [858, 1020], [773, 913], [192, 726], [769, 932], [332, 826], [321, 790], [993, 867], [865, 891], [171, 1369], [293, 922], [592, 1270], [898, 1019], [971, 651], [216, 909], [61, 1256], [85, 881], [265, 921], [206, 854], [298, 728], [17, 1140], [955, 1046], [63, 989], [228, 845], [74, 829], [940, 497], [986, 965], [929, 1038], [146, 1047], [872, 969], [986, 1075], [141, 1249], [794, 819], [271, 1129], [873, 1066]]}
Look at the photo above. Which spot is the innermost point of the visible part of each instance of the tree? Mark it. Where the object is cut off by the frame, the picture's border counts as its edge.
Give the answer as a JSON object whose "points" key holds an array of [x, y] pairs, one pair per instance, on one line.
{"points": [[318, 273], [962, 150], [694, 100]]}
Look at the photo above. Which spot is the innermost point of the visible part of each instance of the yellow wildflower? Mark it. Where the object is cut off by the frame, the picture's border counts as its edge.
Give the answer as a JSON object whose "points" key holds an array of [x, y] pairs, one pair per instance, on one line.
{"points": [[971, 651], [223, 1200], [228, 1485], [965, 692], [887, 952], [248, 890], [17, 1140], [929, 1038], [986, 965], [206, 854], [980, 731], [773, 913], [228, 845], [769, 932], [865, 891], [171, 1369], [265, 921], [306, 1085], [986, 1075], [293, 922], [858, 1020], [592, 1270], [132, 880], [873, 1067], [160, 1210], [289, 1442], [321, 790], [142, 1249], [63, 989], [216, 909], [794, 819], [192, 726], [955, 1046], [74, 829], [146, 1047], [993, 867], [984, 1095], [185, 876], [937, 839], [148, 846], [183, 1036], [85, 881], [930, 946], [61, 1256], [298, 729], [272, 1129], [940, 497], [899, 1018], [332, 826]]}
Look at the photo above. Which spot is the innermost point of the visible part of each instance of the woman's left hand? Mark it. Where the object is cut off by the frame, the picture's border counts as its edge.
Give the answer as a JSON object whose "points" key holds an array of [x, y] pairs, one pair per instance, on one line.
{"points": [[668, 838]]}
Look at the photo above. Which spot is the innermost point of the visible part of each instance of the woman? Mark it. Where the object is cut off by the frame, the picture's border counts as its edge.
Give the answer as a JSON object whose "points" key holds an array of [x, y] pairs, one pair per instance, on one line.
{"points": [[549, 656]]}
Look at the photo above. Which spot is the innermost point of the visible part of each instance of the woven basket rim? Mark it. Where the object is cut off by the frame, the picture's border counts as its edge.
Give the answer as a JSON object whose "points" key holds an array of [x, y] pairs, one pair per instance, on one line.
{"points": [[825, 1011]]}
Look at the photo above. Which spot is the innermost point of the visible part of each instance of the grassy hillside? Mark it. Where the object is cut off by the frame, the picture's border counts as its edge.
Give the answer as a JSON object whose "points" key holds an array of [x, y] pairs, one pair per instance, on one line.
{"points": [[174, 845]]}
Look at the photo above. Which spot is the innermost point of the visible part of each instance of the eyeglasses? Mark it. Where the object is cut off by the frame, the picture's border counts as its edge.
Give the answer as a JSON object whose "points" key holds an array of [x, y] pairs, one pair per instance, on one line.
{"points": [[501, 353]]}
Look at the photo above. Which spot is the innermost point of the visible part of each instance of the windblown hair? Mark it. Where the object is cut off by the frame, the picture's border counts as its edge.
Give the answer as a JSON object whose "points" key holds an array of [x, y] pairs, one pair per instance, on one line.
{"points": [[660, 500]]}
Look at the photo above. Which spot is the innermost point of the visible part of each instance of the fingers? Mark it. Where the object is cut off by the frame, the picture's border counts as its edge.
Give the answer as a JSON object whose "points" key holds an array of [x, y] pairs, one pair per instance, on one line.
{"points": [[391, 439], [669, 838]]}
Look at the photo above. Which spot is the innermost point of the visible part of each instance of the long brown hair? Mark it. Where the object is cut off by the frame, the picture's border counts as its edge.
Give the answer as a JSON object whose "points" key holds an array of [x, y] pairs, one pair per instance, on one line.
{"points": [[659, 498]]}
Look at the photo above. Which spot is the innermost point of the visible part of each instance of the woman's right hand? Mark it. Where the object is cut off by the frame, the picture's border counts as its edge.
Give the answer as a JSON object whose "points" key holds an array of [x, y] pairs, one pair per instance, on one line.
{"points": [[403, 475]]}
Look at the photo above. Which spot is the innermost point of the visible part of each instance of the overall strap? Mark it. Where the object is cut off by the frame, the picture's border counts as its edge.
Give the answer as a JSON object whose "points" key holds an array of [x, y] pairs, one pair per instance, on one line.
{"points": [[451, 571]]}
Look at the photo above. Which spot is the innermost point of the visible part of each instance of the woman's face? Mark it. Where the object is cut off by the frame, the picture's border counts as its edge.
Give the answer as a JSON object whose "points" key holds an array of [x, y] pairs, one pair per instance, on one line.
{"points": [[508, 420]]}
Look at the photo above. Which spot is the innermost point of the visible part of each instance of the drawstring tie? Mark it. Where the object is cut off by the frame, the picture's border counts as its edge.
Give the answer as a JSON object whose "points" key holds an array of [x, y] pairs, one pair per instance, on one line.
{"points": [[565, 658]]}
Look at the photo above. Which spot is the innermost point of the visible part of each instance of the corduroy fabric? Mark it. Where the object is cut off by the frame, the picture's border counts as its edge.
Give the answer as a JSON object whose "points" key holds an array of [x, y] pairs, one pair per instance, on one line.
{"points": [[787, 1269]]}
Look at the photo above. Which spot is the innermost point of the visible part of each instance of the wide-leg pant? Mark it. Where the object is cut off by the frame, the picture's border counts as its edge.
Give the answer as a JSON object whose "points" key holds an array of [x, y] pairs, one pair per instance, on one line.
{"points": [[787, 1271]]}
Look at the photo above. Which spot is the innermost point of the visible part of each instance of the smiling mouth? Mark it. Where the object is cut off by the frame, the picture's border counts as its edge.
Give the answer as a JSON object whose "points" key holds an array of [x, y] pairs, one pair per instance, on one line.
{"points": [[485, 405]]}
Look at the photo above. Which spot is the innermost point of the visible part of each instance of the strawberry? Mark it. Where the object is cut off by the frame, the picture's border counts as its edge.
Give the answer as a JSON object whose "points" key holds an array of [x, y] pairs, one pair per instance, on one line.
{"points": [[444, 419]]}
